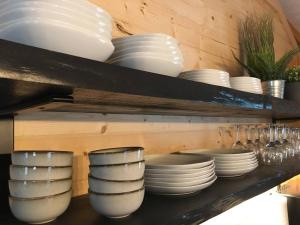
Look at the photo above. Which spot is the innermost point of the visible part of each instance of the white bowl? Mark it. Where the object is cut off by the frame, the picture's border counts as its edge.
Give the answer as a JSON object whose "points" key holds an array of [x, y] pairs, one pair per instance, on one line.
{"points": [[40, 210], [151, 64], [159, 44], [48, 34], [39, 173], [42, 158], [41, 13], [128, 171], [37, 189], [110, 186], [116, 155], [117, 205]]}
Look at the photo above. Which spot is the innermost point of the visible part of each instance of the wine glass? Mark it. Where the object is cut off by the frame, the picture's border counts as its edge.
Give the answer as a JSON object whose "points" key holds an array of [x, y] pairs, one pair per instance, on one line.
{"points": [[272, 155], [238, 144], [278, 142], [249, 143], [287, 145], [259, 141]]}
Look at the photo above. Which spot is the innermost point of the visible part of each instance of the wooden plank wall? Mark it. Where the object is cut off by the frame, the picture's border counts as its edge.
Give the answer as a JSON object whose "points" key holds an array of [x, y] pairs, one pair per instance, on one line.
{"points": [[207, 31]]}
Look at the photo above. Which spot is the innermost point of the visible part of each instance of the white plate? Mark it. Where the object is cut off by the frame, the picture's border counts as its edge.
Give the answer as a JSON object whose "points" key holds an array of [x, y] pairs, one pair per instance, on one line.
{"points": [[177, 161], [206, 71], [179, 190], [164, 183], [145, 37], [179, 179], [236, 167], [178, 170], [152, 64], [81, 8], [179, 175], [58, 37], [39, 13], [172, 58], [226, 161], [221, 152], [234, 173]]}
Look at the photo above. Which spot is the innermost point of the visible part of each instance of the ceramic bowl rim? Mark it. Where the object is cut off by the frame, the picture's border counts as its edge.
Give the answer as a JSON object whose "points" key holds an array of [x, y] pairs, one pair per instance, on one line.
{"points": [[39, 181], [13, 165], [116, 181], [118, 164], [121, 150], [122, 193], [38, 198], [17, 152]]}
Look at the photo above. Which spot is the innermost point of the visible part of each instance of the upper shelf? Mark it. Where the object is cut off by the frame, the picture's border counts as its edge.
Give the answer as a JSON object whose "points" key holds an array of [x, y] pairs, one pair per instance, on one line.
{"points": [[33, 79]]}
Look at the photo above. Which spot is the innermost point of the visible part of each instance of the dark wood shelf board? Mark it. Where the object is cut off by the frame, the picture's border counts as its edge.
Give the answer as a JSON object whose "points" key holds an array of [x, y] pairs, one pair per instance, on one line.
{"points": [[221, 196], [29, 76]]}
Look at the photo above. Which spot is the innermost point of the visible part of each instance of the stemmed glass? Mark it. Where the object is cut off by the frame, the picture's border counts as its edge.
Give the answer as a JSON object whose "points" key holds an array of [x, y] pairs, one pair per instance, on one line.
{"points": [[286, 145], [278, 143], [249, 143], [272, 155], [238, 144], [258, 142]]}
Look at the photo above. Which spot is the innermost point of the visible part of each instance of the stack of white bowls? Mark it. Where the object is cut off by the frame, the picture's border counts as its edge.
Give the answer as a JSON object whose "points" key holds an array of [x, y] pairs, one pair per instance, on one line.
{"points": [[156, 53], [77, 28], [178, 174], [247, 84], [209, 76], [230, 162], [116, 181], [41, 185]]}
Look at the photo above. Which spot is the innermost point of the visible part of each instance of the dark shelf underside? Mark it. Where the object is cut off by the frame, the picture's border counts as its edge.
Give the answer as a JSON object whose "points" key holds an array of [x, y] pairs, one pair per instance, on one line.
{"points": [[221, 196], [33, 79]]}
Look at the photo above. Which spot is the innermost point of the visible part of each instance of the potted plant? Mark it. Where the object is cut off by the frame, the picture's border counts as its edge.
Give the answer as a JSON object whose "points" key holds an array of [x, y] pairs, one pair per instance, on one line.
{"points": [[257, 45], [292, 90]]}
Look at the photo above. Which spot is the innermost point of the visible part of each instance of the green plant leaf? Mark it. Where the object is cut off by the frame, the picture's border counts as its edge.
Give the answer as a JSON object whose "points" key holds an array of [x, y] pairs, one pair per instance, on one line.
{"points": [[249, 69]]}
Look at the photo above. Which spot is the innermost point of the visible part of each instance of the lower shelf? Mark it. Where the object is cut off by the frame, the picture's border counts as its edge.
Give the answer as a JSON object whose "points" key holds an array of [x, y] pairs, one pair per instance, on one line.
{"points": [[221, 196]]}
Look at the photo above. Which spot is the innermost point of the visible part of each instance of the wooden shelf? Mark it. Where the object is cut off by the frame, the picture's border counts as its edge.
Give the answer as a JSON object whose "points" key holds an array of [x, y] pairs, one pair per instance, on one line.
{"points": [[221, 196], [33, 79]]}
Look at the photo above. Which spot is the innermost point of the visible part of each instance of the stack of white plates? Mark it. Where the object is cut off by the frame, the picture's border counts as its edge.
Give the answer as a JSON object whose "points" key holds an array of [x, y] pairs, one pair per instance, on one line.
{"points": [[156, 53], [209, 76], [77, 28], [248, 84], [178, 174], [230, 162]]}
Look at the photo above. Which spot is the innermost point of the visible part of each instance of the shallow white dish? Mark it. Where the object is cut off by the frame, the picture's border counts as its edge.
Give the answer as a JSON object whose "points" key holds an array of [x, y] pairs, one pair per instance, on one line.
{"points": [[42, 158], [152, 64], [149, 43], [40, 210], [128, 171], [181, 184], [179, 175], [83, 9], [39, 173], [179, 179], [145, 37], [78, 42], [37, 189], [236, 167], [235, 172], [116, 155], [110, 186], [179, 170], [242, 162], [179, 190], [177, 161], [37, 12], [117, 205]]}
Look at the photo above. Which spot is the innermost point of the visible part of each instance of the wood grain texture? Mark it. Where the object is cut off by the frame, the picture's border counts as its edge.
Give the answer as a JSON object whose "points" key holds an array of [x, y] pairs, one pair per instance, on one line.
{"points": [[207, 31]]}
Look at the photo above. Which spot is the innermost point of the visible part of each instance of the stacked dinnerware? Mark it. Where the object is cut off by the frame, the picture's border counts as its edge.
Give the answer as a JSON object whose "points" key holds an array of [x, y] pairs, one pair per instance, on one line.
{"points": [[41, 185], [178, 174], [156, 53], [77, 28], [247, 84], [209, 76], [231, 162], [116, 181]]}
